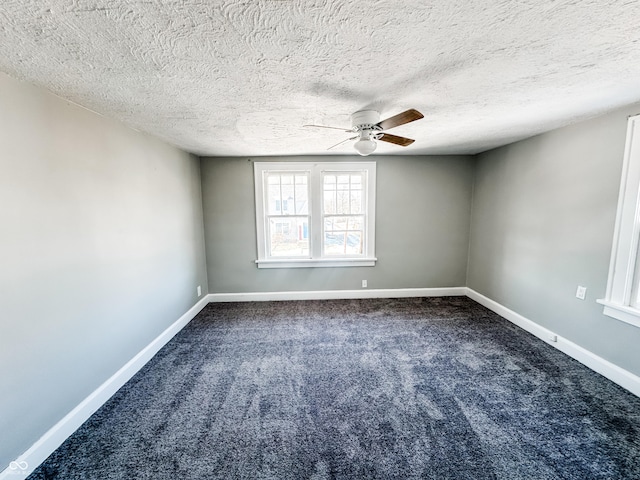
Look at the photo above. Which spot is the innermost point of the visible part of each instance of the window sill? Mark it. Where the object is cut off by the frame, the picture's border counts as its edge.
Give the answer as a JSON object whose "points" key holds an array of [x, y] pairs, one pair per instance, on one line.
{"points": [[623, 313], [313, 263]]}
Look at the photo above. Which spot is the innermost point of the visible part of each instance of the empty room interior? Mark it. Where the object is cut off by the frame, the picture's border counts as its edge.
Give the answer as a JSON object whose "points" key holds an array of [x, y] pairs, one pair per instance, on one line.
{"points": [[319, 239]]}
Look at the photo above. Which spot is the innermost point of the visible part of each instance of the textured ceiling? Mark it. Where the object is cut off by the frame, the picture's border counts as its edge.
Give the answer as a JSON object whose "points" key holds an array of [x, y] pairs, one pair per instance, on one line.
{"points": [[233, 77]]}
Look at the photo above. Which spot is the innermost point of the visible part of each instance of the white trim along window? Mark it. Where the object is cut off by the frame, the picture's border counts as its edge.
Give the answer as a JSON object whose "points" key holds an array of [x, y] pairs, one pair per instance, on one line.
{"points": [[315, 214], [622, 299]]}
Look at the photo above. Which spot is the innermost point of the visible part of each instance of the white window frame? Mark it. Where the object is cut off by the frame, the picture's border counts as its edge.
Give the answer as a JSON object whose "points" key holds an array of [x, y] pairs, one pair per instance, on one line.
{"points": [[624, 276], [316, 257]]}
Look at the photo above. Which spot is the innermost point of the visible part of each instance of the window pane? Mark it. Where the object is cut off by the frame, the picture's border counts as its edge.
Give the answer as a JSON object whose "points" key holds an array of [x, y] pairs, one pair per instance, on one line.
{"points": [[273, 194], [289, 236], [343, 194], [351, 222], [345, 243], [288, 205], [343, 182], [356, 201], [274, 199], [329, 201], [342, 204], [343, 235], [302, 197], [287, 194]]}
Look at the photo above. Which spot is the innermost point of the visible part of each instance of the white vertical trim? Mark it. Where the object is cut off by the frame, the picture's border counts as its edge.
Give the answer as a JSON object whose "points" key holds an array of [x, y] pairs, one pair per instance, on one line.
{"points": [[57, 434], [371, 211], [316, 199], [260, 217], [627, 228]]}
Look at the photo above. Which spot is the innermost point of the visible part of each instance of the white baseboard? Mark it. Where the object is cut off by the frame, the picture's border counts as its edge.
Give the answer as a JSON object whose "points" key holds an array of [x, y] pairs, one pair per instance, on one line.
{"points": [[337, 294], [52, 439], [616, 374], [23, 466]]}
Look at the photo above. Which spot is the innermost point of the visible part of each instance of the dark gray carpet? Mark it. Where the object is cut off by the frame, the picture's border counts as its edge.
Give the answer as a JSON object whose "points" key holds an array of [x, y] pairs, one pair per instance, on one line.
{"points": [[423, 388]]}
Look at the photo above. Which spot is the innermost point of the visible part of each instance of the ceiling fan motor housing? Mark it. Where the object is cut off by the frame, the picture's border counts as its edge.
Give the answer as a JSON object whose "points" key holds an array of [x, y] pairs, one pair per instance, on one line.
{"points": [[365, 123], [365, 120]]}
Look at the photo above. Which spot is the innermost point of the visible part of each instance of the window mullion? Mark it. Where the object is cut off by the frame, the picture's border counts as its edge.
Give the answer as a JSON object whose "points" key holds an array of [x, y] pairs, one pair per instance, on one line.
{"points": [[316, 202]]}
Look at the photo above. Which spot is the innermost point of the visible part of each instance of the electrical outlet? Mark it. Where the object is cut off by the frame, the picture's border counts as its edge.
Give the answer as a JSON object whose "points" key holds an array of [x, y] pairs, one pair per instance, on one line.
{"points": [[364, 284], [581, 292], [199, 290]]}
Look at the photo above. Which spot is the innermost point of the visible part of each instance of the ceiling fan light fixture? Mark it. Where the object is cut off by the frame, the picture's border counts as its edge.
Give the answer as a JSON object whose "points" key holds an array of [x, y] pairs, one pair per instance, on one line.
{"points": [[365, 146]]}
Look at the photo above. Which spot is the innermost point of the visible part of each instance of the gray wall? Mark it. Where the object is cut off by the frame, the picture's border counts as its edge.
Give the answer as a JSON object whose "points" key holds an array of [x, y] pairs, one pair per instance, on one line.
{"points": [[542, 224], [101, 249], [102, 242], [422, 227]]}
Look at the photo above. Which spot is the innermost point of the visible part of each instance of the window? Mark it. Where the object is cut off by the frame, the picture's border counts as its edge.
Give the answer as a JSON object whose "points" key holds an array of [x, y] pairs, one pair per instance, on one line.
{"points": [[622, 299], [315, 214]]}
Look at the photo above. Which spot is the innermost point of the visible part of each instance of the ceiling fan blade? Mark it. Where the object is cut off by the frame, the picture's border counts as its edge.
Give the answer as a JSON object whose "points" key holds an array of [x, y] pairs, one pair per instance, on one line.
{"points": [[340, 143], [400, 119], [402, 141], [332, 128]]}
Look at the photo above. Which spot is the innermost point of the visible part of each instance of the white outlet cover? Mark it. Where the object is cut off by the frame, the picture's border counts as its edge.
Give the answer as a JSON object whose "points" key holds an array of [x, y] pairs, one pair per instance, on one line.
{"points": [[581, 292]]}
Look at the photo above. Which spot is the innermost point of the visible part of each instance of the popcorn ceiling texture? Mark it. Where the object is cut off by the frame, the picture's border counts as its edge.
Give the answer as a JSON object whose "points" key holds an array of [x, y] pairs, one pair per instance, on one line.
{"points": [[234, 77]]}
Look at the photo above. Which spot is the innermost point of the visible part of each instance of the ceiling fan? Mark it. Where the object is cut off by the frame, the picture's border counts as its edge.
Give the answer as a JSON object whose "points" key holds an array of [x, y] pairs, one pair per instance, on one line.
{"points": [[369, 128]]}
